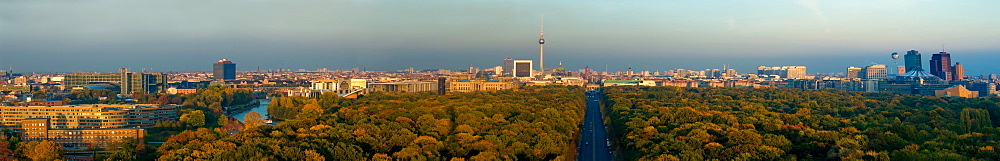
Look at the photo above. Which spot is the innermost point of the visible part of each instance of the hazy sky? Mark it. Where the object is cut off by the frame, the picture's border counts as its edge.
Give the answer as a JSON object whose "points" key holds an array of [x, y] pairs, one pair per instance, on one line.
{"points": [[190, 35]]}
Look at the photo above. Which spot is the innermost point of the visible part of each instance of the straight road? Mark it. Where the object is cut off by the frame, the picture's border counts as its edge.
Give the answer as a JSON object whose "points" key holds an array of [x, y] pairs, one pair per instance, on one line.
{"points": [[594, 139]]}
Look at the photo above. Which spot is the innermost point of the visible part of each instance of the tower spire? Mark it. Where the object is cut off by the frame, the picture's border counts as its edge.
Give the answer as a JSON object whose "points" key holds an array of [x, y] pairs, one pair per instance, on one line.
{"points": [[541, 46]]}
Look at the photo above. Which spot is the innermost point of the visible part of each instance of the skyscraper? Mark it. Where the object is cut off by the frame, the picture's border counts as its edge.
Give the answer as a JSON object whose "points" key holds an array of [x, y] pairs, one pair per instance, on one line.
{"points": [[912, 60], [541, 47], [900, 70], [522, 68], [958, 72], [508, 66], [224, 70], [941, 65]]}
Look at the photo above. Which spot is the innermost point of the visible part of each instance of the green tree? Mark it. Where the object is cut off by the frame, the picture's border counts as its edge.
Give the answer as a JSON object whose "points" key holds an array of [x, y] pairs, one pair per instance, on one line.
{"points": [[194, 118], [125, 150], [40, 95]]}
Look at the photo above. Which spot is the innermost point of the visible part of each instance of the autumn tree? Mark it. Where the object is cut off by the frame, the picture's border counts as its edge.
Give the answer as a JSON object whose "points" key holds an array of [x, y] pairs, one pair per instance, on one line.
{"points": [[41, 150], [794, 124], [252, 119], [310, 111]]}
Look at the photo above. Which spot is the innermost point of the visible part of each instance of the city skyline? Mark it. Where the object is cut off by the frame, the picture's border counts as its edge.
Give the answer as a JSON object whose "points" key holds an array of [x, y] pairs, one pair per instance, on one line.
{"points": [[385, 36]]}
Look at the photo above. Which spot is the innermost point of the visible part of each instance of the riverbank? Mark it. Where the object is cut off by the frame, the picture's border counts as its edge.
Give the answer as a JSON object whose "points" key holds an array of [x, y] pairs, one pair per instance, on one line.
{"points": [[243, 108], [261, 109]]}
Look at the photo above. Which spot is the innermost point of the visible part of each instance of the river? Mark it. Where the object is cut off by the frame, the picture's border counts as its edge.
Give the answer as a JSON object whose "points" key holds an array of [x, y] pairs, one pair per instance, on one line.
{"points": [[262, 109]]}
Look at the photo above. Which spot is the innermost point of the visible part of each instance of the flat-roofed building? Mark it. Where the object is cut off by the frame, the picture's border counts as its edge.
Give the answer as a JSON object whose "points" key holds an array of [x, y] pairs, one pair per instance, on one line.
{"points": [[224, 70], [15, 87], [877, 71], [173, 90], [40, 103], [572, 81], [79, 80], [480, 85], [93, 116], [788, 72], [679, 83], [413, 86], [339, 84], [358, 83], [523, 68], [628, 83], [35, 129], [128, 82], [508, 66], [329, 84], [852, 72]]}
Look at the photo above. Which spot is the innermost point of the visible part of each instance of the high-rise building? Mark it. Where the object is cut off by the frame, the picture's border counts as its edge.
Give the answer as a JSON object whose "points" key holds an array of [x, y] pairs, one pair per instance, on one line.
{"points": [[941, 65], [508, 66], [523, 68], [912, 60], [224, 70], [852, 72], [143, 83], [958, 72], [900, 70], [731, 73], [713, 73], [877, 71], [442, 85]]}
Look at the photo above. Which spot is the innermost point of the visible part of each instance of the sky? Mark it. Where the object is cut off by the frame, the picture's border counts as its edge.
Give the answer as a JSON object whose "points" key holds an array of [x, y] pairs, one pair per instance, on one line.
{"points": [[189, 35]]}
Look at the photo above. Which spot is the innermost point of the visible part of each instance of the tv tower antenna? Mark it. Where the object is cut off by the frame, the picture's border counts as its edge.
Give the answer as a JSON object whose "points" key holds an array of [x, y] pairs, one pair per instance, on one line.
{"points": [[541, 46]]}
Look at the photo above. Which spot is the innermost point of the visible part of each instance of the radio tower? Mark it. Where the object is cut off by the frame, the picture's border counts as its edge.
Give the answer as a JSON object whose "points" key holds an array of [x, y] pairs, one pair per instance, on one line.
{"points": [[541, 47]]}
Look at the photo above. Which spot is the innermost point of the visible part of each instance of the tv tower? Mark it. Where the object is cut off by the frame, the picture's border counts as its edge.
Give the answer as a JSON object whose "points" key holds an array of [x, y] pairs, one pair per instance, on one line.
{"points": [[541, 47]]}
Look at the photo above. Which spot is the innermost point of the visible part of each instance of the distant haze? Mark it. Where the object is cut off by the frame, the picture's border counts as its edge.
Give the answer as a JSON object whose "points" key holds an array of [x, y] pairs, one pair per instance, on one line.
{"points": [[189, 35]]}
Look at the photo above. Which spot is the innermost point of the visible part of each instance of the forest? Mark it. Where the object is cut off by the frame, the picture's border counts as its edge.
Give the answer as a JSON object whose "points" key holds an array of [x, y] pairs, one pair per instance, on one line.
{"points": [[533, 123], [670, 123]]}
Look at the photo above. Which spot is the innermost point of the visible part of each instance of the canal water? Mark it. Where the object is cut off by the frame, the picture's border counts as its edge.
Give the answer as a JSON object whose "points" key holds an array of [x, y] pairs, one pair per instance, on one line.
{"points": [[262, 109]]}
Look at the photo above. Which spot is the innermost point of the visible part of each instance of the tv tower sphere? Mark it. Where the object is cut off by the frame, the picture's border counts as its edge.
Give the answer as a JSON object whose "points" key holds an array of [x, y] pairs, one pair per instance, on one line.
{"points": [[895, 55]]}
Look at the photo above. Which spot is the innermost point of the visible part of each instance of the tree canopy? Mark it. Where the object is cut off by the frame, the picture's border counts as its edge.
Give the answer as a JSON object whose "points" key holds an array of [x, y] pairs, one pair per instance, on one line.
{"points": [[535, 123], [653, 123]]}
